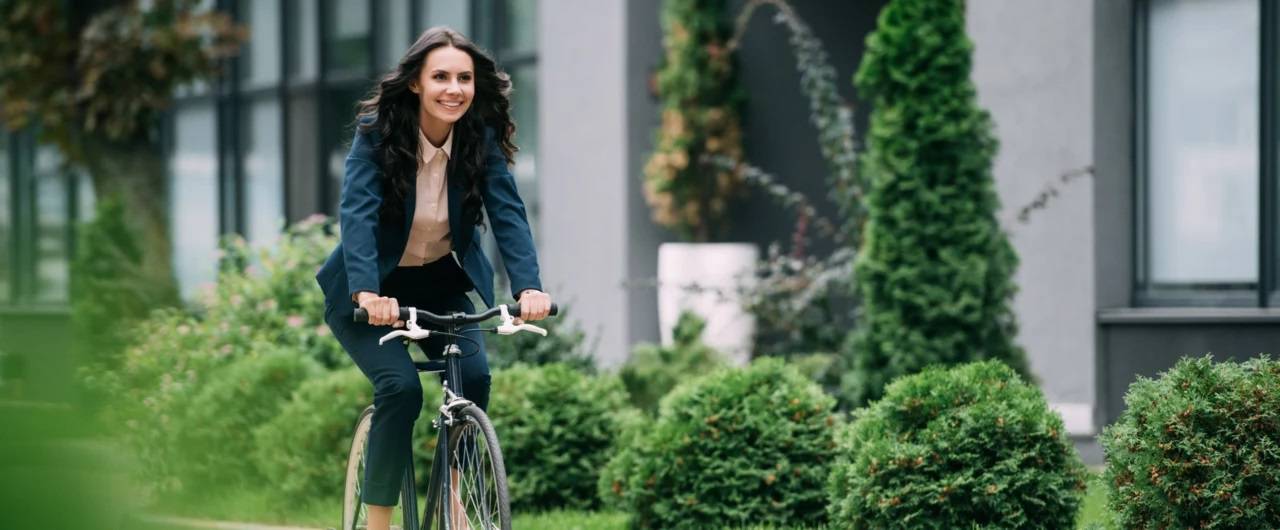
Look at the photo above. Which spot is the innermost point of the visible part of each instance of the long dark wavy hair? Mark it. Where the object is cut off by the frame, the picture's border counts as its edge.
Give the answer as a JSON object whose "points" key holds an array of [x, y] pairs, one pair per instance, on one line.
{"points": [[392, 110]]}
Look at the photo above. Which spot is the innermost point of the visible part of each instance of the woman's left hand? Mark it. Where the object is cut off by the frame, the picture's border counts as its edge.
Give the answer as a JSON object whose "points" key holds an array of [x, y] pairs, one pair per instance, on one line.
{"points": [[534, 305]]}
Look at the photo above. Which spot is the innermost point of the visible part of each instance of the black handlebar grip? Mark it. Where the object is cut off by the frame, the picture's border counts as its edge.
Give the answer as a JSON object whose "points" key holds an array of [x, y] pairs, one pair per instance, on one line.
{"points": [[361, 315]]}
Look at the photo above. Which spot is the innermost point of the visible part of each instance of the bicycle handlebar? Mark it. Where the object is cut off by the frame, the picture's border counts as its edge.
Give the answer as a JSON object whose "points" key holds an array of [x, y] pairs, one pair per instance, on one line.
{"points": [[457, 318]]}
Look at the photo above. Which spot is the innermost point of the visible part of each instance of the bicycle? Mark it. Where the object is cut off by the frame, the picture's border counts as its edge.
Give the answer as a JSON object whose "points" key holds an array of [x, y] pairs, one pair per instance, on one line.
{"points": [[467, 450]]}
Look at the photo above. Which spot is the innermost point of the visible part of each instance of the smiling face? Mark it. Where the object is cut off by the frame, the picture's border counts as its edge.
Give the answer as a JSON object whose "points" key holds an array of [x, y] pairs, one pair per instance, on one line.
{"points": [[446, 85]]}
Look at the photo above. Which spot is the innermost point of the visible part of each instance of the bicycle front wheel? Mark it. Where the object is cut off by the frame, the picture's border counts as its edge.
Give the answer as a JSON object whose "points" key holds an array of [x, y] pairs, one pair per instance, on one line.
{"points": [[479, 477], [355, 514]]}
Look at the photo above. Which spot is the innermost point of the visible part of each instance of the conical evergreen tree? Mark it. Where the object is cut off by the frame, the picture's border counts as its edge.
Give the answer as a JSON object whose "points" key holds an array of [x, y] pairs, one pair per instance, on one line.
{"points": [[935, 270]]}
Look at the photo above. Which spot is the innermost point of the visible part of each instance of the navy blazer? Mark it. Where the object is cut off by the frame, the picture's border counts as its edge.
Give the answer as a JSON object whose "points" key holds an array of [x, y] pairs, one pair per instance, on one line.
{"points": [[370, 250]]}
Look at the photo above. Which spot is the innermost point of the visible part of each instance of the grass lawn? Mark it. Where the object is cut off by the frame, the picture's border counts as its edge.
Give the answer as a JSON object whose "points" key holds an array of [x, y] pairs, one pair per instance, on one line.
{"points": [[248, 506]]}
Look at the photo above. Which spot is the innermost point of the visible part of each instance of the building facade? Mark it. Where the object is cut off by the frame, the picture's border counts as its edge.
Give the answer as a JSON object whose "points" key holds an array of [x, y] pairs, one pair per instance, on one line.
{"points": [[1146, 130]]}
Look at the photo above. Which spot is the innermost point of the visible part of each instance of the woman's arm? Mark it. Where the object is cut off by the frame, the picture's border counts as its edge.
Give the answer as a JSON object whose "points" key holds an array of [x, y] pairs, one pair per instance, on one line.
{"points": [[510, 224], [358, 216]]}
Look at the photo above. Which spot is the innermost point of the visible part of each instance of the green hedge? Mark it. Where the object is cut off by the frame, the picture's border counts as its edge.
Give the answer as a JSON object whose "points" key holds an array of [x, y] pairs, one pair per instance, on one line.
{"points": [[215, 433], [935, 271], [653, 370], [1198, 447], [971, 446], [739, 446], [557, 427], [304, 448]]}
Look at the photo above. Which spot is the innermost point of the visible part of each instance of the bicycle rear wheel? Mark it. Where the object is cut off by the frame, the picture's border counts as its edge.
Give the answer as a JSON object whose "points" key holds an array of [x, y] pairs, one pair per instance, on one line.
{"points": [[479, 499], [355, 514]]}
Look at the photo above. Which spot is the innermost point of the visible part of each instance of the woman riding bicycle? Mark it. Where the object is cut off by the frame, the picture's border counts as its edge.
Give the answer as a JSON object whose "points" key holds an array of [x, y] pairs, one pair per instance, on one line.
{"points": [[432, 147]]}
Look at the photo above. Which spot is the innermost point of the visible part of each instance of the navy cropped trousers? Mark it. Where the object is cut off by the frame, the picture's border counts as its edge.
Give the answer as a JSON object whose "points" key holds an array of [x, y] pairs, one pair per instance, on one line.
{"points": [[439, 287]]}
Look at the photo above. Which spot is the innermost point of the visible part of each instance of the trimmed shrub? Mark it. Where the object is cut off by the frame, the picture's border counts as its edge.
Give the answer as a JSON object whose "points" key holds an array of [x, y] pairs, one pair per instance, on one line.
{"points": [[701, 101], [215, 433], [935, 271], [633, 424], [1199, 447], [653, 370], [739, 446], [304, 449], [564, 343], [110, 290], [557, 428], [971, 446]]}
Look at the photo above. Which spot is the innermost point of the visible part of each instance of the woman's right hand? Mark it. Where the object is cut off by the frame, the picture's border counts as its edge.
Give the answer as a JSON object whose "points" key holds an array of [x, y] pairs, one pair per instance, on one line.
{"points": [[383, 311]]}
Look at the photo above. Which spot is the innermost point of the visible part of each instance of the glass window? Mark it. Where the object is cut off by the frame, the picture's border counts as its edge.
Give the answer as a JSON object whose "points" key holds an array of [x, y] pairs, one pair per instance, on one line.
{"points": [[521, 25], [339, 129], [260, 58], [347, 42], [524, 110], [6, 222], [393, 32], [304, 180], [193, 204], [453, 13], [263, 171], [52, 254], [304, 57], [1202, 134]]}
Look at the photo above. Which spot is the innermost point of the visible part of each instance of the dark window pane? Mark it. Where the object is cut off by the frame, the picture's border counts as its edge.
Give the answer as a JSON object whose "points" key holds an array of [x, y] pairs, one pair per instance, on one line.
{"points": [[303, 25], [394, 32], [1202, 134], [260, 58], [52, 215], [193, 201], [453, 13], [521, 25], [304, 175], [347, 42], [524, 109], [263, 170], [339, 115]]}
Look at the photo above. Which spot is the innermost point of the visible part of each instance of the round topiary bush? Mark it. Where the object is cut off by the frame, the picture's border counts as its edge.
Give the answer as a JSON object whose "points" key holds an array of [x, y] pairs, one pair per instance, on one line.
{"points": [[215, 431], [739, 446], [557, 428], [1199, 447], [954, 448], [304, 448]]}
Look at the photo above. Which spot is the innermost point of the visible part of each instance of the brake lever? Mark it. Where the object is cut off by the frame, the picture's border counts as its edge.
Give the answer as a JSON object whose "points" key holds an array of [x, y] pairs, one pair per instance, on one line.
{"points": [[508, 326], [411, 330]]}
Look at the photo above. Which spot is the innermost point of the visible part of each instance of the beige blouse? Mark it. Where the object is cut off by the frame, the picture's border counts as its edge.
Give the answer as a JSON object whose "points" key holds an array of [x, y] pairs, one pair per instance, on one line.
{"points": [[429, 236]]}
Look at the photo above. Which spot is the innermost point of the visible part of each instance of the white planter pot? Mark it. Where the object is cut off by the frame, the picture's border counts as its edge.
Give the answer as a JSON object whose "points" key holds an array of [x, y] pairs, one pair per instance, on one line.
{"points": [[705, 278]]}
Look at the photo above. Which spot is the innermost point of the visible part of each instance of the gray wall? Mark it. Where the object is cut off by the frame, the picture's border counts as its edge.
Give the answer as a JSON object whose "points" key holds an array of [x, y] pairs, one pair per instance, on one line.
{"points": [[1033, 67], [582, 162]]}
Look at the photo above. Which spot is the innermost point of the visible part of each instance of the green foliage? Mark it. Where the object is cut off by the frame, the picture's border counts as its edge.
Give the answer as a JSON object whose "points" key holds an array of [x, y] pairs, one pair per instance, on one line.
{"points": [[935, 271], [557, 428], [1199, 447], [110, 291], [654, 370], [564, 343], [216, 427], [738, 446], [262, 303], [109, 71], [270, 294], [304, 448], [700, 116], [965, 447]]}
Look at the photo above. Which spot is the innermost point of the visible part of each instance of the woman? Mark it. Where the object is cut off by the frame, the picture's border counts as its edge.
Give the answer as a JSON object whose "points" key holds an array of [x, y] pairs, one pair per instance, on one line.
{"points": [[432, 147]]}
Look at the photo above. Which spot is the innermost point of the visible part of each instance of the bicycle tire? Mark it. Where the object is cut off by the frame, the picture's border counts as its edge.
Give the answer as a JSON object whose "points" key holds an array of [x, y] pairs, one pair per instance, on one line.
{"points": [[492, 507], [354, 513]]}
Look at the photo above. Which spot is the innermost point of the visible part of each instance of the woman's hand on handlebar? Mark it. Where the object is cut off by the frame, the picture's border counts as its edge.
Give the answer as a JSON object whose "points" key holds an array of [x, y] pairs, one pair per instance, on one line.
{"points": [[534, 305], [383, 310]]}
